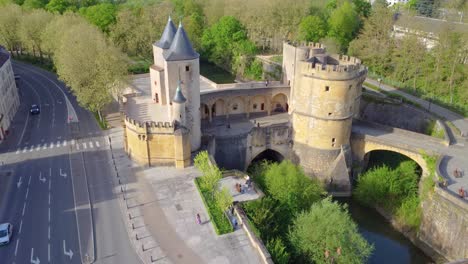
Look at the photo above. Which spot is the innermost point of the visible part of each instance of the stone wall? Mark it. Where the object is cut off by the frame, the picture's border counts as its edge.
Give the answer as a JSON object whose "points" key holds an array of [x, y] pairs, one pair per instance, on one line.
{"points": [[394, 114], [444, 225], [230, 151]]}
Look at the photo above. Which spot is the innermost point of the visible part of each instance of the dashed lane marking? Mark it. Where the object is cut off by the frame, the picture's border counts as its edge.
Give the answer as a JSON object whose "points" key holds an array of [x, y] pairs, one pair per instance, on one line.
{"points": [[51, 145], [64, 143], [21, 227], [97, 144], [84, 145], [16, 248], [91, 144]]}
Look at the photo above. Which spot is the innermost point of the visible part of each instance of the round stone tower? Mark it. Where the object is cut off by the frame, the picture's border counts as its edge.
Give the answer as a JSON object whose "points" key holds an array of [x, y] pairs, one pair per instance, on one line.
{"points": [[325, 93]]}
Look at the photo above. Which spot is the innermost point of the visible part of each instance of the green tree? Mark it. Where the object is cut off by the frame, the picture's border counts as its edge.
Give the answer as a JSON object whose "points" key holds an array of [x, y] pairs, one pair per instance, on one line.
{"points": [[34, 4], [9, 26], [343, 24], [408, 56], [211, 174], [57, 6], [288, 184], [225, 43], [278, 251], [102, 15], [223, 199], [31, 28], [375, 44], [327, 234], [312, 28], [90, 65]]}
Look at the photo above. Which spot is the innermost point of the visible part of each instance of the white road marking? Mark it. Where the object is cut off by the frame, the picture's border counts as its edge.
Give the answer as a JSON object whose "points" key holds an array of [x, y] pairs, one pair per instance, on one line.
{"points": [[50, 178], [25, 149], [49, 219], [34, 261], [45, 146], [64, 143], [63, 174], [49, 198], [58, 144], [67, 253], [48, 252], [31, 149], [77, 147], [73, 142], [24, 208], [18, 184], [43, 180], [48, 233], [51, 144], [91, 144], [27, 192], [21, 227], [84, 145], [38, 147], [29, 182], [18, 151], [97, 144], [16, 248]]}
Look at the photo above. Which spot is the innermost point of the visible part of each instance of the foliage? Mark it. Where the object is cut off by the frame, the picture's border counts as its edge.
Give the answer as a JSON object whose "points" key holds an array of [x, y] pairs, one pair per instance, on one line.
{"points": [[34, 4], [278, 251], [312, 28], [215, 201], [136, 28], [395, 190], [435, 131], [287, 183], [254, 70], [327, 227], [224, 199], [343, 24], [220, 222], [57, 6], [89, 65], [410, 212], [32, 26], [9, 26], [102, 15], [225, 43]]}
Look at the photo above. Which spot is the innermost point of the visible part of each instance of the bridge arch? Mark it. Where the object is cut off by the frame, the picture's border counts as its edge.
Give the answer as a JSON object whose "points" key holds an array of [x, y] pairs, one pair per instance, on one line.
{"points": [[268, 154], [361, 147], [368, 156]]}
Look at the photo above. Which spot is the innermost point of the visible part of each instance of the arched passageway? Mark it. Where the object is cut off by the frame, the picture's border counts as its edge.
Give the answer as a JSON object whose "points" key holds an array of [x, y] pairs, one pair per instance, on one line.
{"points": [[269, 155], [279, 103], [377, 158]]}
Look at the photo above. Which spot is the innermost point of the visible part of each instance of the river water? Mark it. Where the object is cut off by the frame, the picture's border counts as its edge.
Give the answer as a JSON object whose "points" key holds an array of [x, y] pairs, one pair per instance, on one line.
{"points": [[390, 246]]}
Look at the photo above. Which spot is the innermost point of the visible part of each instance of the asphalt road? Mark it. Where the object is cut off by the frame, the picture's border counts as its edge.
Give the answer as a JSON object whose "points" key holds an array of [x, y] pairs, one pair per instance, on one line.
{"points": [[57, 188]]}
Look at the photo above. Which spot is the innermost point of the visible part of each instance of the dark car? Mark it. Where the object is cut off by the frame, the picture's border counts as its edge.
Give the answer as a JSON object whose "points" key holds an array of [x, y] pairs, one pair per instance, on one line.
{"points": [[35, 110]]}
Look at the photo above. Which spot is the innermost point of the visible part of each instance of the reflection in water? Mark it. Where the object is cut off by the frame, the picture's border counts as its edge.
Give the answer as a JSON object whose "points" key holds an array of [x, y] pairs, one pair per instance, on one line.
{"points": [[390, 246]]}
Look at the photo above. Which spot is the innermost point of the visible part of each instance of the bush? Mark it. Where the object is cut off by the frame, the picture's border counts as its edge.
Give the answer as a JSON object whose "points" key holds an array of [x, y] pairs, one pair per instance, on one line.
{"points": [[278, 251], [327, 227], [220, 222], [395, 190]]}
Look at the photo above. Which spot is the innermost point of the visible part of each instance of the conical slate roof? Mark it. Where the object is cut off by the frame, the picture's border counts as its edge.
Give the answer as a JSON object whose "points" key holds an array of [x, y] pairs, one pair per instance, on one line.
{"points": [[181, 48], [179, 97], [167, 35]]}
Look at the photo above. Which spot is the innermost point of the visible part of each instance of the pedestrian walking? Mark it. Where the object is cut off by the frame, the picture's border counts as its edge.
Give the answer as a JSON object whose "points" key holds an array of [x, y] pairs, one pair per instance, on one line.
{"points": [[198, 219]]}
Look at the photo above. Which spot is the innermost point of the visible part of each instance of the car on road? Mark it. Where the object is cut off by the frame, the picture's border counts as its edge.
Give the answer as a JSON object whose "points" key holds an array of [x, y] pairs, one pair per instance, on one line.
{"points": [[6, 231], [35, 110]]}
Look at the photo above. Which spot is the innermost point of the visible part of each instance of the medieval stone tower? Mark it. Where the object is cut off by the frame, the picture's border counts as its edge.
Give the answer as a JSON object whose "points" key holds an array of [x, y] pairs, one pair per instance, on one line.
{"points": [[325, 95], [176, 69]]}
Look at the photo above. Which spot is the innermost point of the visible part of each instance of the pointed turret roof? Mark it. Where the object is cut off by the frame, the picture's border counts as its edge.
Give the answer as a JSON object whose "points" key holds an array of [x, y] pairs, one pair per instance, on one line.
{"points": [[181, 48], [179, 97], [167, 35]]}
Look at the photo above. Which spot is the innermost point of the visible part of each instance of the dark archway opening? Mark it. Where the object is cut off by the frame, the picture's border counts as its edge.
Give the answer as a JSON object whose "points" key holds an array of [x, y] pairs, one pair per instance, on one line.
{"points": [[391, 159], [268, 155]]}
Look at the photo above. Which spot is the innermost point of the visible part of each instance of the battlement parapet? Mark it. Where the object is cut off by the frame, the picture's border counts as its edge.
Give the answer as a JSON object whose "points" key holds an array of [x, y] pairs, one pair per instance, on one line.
{"points": [[330, 71], [150, 127]]}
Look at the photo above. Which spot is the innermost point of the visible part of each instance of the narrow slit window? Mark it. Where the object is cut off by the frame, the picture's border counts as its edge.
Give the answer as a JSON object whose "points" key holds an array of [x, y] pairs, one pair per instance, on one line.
{"points": [[327, 88]]}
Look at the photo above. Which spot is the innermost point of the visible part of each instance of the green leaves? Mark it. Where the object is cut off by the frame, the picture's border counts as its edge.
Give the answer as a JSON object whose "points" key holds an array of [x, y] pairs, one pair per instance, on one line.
{"points": [[312, 28], [326, 234], [102, 15]]}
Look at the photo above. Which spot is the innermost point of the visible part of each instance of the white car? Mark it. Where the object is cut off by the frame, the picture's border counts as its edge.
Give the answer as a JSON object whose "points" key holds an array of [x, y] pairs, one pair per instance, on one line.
{"points": [[6, 231]]}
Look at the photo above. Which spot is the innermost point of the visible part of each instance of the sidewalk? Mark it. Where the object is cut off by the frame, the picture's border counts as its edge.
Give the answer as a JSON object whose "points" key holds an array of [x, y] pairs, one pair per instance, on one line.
{"points": [[459, 121], [160, 206]]}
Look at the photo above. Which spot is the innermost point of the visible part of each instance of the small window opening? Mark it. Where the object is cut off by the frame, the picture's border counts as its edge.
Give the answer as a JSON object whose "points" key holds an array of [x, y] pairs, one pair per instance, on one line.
{"points": [[327, 88], [262, 106], [333, 140], [351, 86], [187, 68], [254, 106], [235, 106], [329, 114]]}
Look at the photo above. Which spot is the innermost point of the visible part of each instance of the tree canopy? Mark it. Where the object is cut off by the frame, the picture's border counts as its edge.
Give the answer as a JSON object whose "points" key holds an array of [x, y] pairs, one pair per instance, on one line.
{"points": [[327, 234]]}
